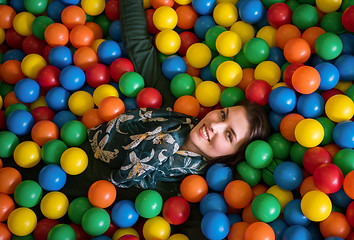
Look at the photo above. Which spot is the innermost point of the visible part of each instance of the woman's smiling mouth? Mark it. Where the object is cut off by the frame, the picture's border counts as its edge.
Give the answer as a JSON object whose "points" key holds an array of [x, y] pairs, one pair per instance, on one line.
{"points": [[204, 133]]}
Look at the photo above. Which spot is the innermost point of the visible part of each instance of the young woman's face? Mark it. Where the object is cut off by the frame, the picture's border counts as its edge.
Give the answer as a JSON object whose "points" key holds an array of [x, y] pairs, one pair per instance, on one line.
{"points": [[220, 132]]}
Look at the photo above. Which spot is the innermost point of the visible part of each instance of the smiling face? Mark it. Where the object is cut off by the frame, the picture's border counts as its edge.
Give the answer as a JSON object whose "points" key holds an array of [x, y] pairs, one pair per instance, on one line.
{"points": [[220, 133]]}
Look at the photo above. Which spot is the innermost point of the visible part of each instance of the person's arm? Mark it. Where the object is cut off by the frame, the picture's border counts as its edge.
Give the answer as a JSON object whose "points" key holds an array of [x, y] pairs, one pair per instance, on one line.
{"points": [[140, 48]]}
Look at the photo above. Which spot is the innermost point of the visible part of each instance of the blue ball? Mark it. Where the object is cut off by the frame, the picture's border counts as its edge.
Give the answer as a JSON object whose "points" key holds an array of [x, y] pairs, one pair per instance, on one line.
{"points": [[345, 64], [20, 122], [18, 5], [310, 105], [343, 134], [212, 202], [71, 2], [340, 198], [13, 54], [173, 65], [60, 57], [63, 117], [72, 78], [278, 226], [204, 7], [315, 60], [288, 175], [52, 177], [115, 30], [276, 55], [282, 100], [130, 103], [54, 10], [124, 214], [27, 90], [275, 120], [296, 232], [234, 218], [108, 51], [329, 75], [101, 237], [218, 176], [202, 25], [215, 225], [57, 98], [348, 43], [251, 11], [314, 230], [206, 75], [293, 215]]}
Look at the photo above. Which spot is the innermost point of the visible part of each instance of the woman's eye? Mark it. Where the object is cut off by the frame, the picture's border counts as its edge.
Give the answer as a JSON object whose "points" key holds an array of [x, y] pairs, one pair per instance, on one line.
{"points": [[222, 114], [229, 136]]}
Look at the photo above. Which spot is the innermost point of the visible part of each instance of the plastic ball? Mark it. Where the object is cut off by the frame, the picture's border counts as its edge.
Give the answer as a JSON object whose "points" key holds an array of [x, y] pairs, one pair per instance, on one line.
{"points": [[74, 161], [84, 57], [316, 206], [297, 50], [48, 77], [186, 16], [182, 84], [168, 41], [54, 205], [280, 145], [149, 97], [348, 188], [339, 108], [305, 16], [27, 154], [102, 194], [251, 11], [198, 55], [347, 18], [229, 73], [173, 65], [80, 102], [265, 207], [259, 154], [131, 83], [297, 232], [176, 210], [343, 64], [93, 8], [213, 202], [148, 203], [225, 14], [120, 66], [313, 157], [91, 118], [77, 208], [208, 93], [249, 174], [329, 75], [8, 143], [7, 16], [95, 221], [97, 74], [60, 57], [43, 227], [52, 177], [288, 175], [293, 215], [63, 117], [309, 133], [310, 105], [306, 79], [267, 33], [328, 178], [110, 108], [27, 90], [218, 177], [28, 193], [10, 71], [193, 188], [268, 71], [279, 14], [61, 231], [311, 34], [73, 133], [215, 225], [44, 131], [32, 64], [22, 221], [282, 100], [72, 78], [10, 178], [328, 46], [242, 198], [335, 225], [230, 96], [156, 228], [7, 205], [81, 36], [22, 23], [204, 7], [244, 30], [124, 214], [343, 134], [56, 34], [72, 16], [188, 105], [165, 17], [121, 232], [108, 51], [259, 230], [256, 50], [328, 5]]}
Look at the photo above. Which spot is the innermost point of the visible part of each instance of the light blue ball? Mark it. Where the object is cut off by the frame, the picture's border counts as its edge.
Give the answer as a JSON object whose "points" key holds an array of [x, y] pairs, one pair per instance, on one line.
{"points": [[212, 202], [124, 214], [108, 51], [52, 177], [173, 65], [218, 176], [60, 57], [288, 175], [310, 105], [282, 100], [215, 225], [343, 134], [57, 99], [20, 122], [27, 90], [72, 78], [329, 75]]}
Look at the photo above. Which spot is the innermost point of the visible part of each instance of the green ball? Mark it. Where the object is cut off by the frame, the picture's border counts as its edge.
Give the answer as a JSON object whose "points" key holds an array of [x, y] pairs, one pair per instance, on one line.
{"points": [[344, 159], [95, 221], [90, 18], [268, 3], [265, 207], [214, 64], [212, 34], [249, 174], [346, 4], [27, 237], [297, 152], [305, 16], [230, 96], [241, 59], [332, 22], [148, 203], [163, 56], [3, 2], [328, 46], [283, 67], [328, 127], [52, 151], [256, 50], [28, 193], [103, 21], [39, 26], [77, 208], [293, 4], [61, 231], [280, 145], [131, 83], [5, 88], [14, 107], [350, 92], [267, 172], [73, 133], [259, 154], [8, 143], [311, 2], [182, 84], [36, 6]]}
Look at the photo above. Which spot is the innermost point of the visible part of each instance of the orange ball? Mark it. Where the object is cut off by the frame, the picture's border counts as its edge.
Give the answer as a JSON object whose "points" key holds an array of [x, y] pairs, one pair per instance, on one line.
{"points": [[194, 72], [102, 194], [348, 185], [311, 34], [56, 34], [85, 57], [11, 98], [44, 131], [285, 33], [237, 231], [4, 232], [335, 225], [7, 15], [307, 185], [247, 77], [110, 107], [81, 36], [187, 105], [91, 118], [194, 188], [306, 79], [10, 71], [258, 189], [186, 16], [96, 29], [247, 215], [259, 230], [72, 16], [297, 50], [159, 3], [7, 205], [238, 194], [288, 124], [332, 148], [9, 178]]}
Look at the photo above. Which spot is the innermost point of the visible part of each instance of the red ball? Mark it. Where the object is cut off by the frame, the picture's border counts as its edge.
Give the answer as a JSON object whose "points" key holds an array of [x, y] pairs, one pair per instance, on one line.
{"points": [[31, 44], [313, 157], [48, 77], [329, 93], [97, 74], [176, 210], [150, 23], [43, 227], [279, 14], [120, 66], [112, 10], [203, 111], [187, 39], [258, 91], [46, 50], [348, 18], [289, 71], [42, 113], [2, 119], [13, 39], [79, 231], [328, 178], [350, 214], [128, 237], [149, 98]]}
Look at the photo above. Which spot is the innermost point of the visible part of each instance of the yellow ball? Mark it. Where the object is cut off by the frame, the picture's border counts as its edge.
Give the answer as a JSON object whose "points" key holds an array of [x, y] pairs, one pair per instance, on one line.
{"points": [[54, 205], [146, 4], [309, 133], [2, 35], [22, 221], [80, 102], [343, 86], [97, 43], [208, 93], [284, 196], [198, 55], [93, 7], [268, 71], [168, 41], [156, 228], [183, 2], [1, 102], [197, 80], [231, 1], [22, 23], [327, 6], [316, 206], [229, 73], [267, 33], [225, 14], [178, 236], [244, 30], [339, 108], [40, 102], [103, 91], [228, 43], [279, 84], [120, 232], [27, 154], [165, 18], [74, 160], [32, 64]]}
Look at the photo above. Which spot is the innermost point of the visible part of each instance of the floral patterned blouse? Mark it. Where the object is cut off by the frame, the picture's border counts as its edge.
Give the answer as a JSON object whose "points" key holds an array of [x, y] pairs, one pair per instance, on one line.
{"points": [[142, 147]]}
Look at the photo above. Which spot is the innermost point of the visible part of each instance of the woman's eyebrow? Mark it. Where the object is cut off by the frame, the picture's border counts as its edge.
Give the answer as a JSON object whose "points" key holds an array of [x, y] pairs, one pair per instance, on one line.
{"points": [[232, 130]]}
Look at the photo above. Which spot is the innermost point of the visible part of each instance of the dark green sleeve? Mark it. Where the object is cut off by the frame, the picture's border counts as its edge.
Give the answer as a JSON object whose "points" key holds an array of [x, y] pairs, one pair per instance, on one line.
{"points": [[140, 48]]}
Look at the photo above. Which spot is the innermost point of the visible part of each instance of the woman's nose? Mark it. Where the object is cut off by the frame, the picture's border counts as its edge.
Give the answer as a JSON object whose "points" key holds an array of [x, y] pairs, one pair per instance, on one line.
{"points": [[217, 126]]}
